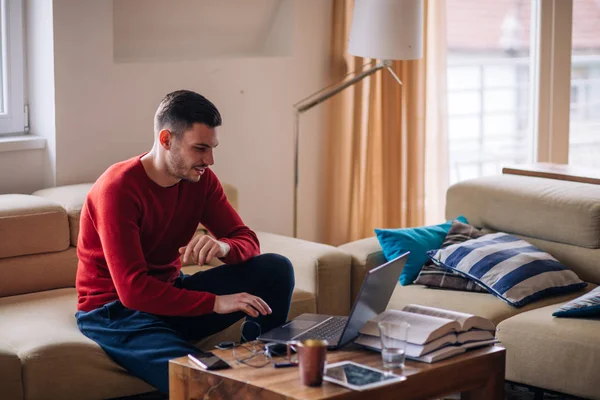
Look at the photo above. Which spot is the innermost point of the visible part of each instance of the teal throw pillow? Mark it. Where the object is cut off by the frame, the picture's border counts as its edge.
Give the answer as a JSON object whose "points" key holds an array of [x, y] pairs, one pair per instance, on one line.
{"points": [[587, 305], [418, 241]]}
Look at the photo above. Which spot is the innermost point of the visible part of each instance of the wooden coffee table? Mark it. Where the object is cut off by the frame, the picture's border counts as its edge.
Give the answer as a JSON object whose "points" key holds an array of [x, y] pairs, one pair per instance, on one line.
{"points": [[478, 374]]}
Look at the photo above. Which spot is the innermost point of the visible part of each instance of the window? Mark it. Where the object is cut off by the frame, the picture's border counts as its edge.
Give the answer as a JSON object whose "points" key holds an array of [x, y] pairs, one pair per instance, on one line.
{"points": [[489, 86], [584, 130], [12, 105]]}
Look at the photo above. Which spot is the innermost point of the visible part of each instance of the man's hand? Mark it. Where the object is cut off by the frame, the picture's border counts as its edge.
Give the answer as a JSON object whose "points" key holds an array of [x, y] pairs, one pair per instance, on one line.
{"points": [[251, 305], [202, 248]]}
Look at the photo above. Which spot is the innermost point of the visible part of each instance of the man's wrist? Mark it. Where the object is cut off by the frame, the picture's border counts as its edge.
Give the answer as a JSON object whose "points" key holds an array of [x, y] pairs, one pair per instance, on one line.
{"points": [[226, 249]]}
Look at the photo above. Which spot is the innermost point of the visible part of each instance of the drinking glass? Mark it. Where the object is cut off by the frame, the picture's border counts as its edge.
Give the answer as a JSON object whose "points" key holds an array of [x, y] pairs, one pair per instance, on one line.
{"points": [[393, 336]]}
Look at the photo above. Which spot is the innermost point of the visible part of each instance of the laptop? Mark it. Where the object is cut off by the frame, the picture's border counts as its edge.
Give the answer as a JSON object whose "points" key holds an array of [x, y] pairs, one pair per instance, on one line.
{"points": [[373, 298]]}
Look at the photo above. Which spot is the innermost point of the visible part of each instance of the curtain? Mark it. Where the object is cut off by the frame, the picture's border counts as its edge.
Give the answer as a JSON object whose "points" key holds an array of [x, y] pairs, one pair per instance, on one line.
{"points": [[437, 162], [436, 128], [375, 169]]}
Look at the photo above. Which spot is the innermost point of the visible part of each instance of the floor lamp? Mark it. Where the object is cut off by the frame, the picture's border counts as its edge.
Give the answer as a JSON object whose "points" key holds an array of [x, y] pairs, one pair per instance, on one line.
{"points": [[385, 30]]}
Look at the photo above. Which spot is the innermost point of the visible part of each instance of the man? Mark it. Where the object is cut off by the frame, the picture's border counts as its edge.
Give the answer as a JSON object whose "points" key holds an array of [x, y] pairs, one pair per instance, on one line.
{"points": [[139, 218]]}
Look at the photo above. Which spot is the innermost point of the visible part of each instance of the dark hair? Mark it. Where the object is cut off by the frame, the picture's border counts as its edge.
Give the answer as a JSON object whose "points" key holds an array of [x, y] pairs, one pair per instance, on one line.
{"points": [[180, 109]]}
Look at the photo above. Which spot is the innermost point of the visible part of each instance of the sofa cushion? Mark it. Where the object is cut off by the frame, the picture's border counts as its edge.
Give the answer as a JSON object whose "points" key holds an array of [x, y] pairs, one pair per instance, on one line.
{"points": [[31, 225], [483, 304], [58, 361], [71, 198], [509, 267], [37, 272], [10, 373], [554, 353], [559, 211], [587, 305]]}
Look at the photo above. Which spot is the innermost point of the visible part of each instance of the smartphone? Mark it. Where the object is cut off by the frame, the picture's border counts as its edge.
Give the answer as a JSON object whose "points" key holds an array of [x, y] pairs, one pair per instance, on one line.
{"points": [[208, 361]]}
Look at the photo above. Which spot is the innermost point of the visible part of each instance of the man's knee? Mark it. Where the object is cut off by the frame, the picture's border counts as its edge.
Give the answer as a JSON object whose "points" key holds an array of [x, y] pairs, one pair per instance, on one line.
{"points": [[279, 267]]}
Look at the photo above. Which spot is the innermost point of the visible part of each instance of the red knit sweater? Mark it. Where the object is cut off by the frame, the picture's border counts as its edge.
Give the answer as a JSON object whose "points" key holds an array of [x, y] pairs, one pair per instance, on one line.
{"points": [[130, 233]]}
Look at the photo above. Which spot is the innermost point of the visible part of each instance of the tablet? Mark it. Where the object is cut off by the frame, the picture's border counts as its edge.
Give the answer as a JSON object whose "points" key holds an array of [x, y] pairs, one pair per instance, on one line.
{"points": [[357, 376]]}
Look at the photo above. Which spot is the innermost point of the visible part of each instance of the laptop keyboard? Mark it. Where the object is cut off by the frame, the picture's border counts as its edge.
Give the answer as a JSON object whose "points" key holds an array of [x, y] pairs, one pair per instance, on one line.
{"points": [[330, 330]]}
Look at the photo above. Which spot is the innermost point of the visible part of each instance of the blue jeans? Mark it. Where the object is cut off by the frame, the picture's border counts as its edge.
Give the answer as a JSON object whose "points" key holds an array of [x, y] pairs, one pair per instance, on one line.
{"points": [[144, 343]]}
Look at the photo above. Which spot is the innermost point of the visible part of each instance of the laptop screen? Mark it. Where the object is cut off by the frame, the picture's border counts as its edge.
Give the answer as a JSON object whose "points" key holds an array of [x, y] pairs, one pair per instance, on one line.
{"points": [[374, 296]]}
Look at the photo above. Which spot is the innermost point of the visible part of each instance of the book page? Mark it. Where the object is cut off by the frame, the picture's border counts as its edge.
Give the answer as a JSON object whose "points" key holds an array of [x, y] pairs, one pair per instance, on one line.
{"points": [[466, 321], [423, 328], [412, 350], [440, 354], [474, 335], [481, 343]]}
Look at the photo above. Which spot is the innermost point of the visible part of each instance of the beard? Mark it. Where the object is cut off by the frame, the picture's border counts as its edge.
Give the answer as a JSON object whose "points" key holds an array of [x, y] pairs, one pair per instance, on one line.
{"points": [[178, 168]]}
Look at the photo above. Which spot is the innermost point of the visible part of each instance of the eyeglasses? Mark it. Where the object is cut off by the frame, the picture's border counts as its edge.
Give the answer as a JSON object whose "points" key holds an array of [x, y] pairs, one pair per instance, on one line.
{"points": [[258, 355]]}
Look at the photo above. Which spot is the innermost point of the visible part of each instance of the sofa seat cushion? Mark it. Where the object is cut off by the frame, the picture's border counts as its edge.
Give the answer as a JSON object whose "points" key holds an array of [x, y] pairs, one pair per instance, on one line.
{"points": [[555, 353], [31, 225], [59, 362], [11, 386], [482, 304]]}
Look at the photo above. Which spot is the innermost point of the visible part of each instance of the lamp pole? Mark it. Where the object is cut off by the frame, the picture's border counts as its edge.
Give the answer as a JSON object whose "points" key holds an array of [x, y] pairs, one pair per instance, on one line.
{"points": [[313, 100]]}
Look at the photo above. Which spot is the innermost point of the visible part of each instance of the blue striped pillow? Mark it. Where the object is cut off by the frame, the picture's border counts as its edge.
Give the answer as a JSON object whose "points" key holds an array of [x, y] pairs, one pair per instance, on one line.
{"points": [[587, 305], [509, 267]]}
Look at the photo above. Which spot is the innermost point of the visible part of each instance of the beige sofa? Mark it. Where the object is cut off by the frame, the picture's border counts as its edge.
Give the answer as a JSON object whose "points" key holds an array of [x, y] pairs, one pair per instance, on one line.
{"points": [[562, 218], [42, 353]]}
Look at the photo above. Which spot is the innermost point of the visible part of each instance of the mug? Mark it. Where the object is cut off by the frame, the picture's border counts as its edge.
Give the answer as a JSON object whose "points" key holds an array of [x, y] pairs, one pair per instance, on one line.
{"points": [[311, 358]]}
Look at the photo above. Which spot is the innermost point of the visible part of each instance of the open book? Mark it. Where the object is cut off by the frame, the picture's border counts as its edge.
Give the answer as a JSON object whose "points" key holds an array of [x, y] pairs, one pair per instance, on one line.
{"points": [[428, 324], [434, 334], [431, 352]]}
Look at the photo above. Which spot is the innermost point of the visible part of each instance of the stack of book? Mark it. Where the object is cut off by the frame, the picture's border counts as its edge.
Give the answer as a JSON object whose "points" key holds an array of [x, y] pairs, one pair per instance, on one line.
{"points": [[434, 333]]}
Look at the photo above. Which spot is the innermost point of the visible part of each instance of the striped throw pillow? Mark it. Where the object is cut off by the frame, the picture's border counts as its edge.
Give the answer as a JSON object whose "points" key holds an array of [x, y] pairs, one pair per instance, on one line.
{"points": [[509, 267], [587, 305], [432, 275]]}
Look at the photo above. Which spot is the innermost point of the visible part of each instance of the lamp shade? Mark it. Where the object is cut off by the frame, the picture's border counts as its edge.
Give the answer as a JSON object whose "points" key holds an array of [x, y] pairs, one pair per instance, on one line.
{"points": [[387, 29]]}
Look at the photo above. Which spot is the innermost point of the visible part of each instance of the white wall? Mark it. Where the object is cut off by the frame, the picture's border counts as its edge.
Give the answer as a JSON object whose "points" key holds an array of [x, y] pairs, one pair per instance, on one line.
{"points": [[104, 110], [40, 84]]}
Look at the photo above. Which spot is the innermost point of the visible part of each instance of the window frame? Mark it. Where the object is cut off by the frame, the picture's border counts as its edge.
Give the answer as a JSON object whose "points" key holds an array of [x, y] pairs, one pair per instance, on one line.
{"points": [[552, 79], [13, 120]]}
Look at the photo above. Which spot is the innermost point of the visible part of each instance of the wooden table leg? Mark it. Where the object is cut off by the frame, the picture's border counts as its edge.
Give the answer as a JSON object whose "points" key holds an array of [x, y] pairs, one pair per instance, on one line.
{"points": [[493, 389]]}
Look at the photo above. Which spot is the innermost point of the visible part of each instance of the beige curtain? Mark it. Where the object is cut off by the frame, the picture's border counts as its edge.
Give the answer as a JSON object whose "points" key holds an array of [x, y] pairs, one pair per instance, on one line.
{"points": [[376, 149]]}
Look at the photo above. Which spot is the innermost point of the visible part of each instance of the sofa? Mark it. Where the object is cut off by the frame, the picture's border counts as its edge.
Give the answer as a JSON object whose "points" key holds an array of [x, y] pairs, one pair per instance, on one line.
{"points": [[559, 217], [42, 353]]}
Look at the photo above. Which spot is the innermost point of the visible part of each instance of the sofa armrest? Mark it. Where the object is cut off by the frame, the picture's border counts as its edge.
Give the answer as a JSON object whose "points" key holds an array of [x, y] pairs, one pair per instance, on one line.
{"points": [[318, 268], [366, 254]]}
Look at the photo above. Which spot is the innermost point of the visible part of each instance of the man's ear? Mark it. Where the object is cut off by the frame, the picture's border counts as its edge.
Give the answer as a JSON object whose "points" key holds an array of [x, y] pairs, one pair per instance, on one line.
{"points": [[165, 138]]}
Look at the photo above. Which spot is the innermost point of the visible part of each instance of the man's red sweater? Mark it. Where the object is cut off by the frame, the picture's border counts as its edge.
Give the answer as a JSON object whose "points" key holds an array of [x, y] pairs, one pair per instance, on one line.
{"points": [[130, 234]]}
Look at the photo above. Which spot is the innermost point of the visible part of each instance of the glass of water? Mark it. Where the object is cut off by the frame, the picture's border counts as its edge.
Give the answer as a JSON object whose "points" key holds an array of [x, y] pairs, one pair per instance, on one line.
{"points": [[393, 336]]}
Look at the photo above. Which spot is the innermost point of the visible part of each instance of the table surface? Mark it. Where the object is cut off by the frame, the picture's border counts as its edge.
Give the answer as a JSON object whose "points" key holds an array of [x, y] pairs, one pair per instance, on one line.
{"points": [[478, 373]]}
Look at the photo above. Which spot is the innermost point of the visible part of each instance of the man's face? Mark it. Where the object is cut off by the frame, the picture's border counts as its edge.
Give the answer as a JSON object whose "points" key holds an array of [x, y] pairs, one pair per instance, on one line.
{"points": [[189, 156]]}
